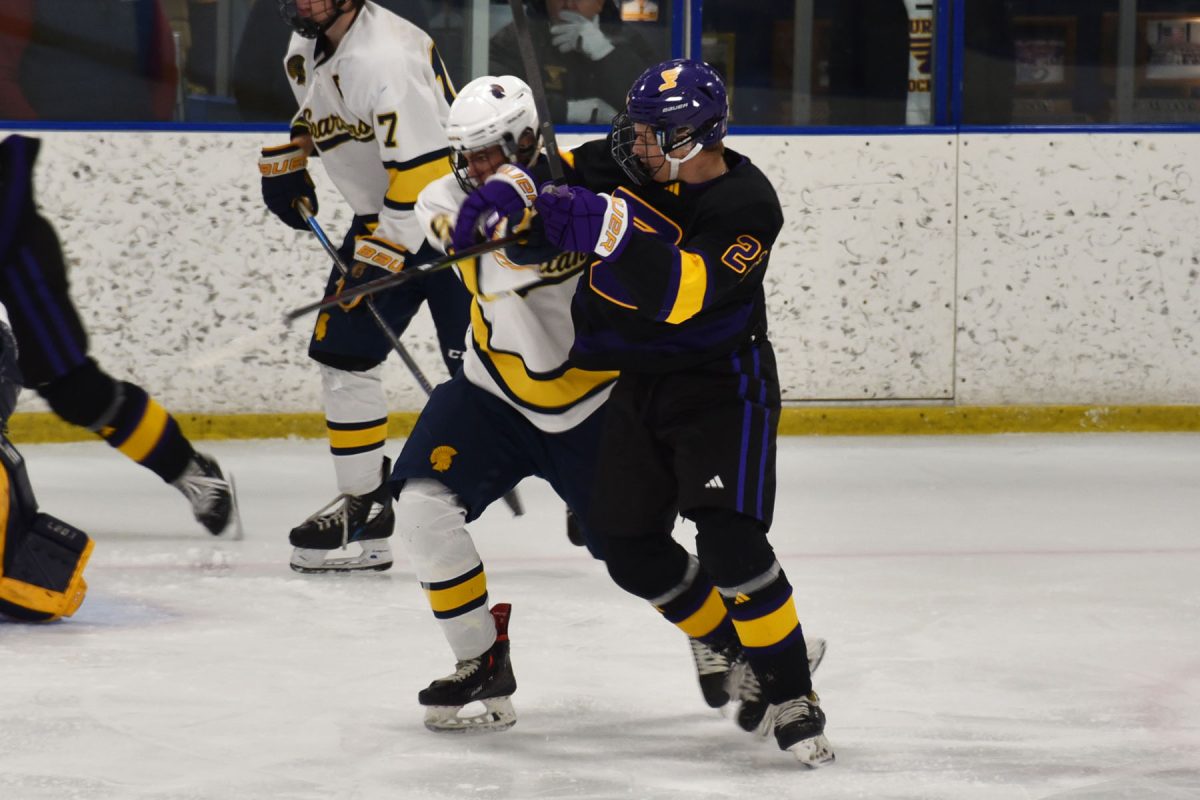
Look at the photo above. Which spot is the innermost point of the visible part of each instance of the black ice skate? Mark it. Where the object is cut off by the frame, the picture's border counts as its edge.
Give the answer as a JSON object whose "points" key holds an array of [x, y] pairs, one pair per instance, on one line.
{"points": [[752, 711], [213, 497], [712, 668], [366, 520], [486, 679], [800, 730]]}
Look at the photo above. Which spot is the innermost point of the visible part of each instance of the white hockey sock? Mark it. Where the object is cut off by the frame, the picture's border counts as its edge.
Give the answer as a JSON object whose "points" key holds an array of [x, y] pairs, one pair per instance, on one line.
{"points": [[356, 419], [430, 522]]}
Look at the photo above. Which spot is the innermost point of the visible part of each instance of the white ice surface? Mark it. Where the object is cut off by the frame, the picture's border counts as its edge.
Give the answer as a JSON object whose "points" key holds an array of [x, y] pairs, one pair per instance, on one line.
{"points": [[1008, 617]]}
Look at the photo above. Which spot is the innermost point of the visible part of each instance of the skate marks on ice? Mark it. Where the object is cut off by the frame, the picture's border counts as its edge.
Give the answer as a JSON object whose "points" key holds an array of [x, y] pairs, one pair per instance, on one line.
{"points": [[954, 671]]}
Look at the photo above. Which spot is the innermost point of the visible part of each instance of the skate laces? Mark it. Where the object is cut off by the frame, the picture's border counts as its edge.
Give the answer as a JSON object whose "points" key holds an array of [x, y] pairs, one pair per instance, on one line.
{"points": [[709, 661], [797, 710], [202, 490], [464, 670], [344, 507], [748, 688]]}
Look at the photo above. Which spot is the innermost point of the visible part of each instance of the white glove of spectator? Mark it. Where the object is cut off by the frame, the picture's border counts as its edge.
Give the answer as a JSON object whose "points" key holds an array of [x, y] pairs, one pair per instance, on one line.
{"points": [[589, 111], [577, 32]]}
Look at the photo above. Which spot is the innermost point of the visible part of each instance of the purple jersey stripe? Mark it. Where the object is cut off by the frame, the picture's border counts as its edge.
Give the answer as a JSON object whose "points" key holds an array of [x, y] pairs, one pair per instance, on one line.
{"points": [[744, 454], [762, 456], [34, 270], [45, 340]]}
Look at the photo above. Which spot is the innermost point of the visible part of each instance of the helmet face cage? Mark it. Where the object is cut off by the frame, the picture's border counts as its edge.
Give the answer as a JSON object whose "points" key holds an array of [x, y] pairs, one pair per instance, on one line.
{"points": [[682, 101], [462, 166], [621, 142], [489, 112], [306, 26]]}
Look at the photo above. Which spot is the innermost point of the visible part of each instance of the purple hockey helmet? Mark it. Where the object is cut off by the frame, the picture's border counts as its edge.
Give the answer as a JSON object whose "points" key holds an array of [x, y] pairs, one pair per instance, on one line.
{"points": [[683, 101]]}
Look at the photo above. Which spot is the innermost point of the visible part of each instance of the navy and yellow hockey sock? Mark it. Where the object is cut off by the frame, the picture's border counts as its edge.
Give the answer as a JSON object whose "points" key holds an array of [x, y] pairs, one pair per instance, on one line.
{"points": [[123, 415], [144, 431], [764, 616], [696, 608]]}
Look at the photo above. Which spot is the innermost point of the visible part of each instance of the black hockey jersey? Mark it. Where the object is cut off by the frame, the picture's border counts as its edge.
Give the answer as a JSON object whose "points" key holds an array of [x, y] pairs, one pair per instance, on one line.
{"points": [[688, 287]]}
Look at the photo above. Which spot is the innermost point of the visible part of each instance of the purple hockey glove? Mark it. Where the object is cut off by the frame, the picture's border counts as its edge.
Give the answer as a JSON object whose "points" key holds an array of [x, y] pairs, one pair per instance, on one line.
{"points": [[504, 195], [579, 220]]}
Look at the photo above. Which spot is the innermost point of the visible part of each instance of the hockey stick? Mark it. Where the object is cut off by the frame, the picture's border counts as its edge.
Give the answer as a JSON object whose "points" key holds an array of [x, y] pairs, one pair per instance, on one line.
{"points": [[533, 76], [512, 499], [311, 221], [391, 281]]}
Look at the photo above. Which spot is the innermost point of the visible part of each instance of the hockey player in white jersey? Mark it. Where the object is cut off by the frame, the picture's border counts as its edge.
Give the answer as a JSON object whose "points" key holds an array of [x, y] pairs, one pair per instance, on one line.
{"points": [[373, 99], [517, 408]]}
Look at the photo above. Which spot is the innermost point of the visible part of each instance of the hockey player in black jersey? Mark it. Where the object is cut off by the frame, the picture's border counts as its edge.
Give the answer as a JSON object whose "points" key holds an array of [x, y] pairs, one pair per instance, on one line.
{"points": [[682, 228], [54, 361]]}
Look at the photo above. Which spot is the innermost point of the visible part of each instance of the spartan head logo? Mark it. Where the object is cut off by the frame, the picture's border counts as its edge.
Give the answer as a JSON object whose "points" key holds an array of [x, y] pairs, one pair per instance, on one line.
{"points": [[295, 69], [441, 457], [497, 91]]}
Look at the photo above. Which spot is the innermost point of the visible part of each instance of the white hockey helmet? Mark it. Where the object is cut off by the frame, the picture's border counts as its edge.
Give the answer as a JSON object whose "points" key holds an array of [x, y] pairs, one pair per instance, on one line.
{"points": [[489, 111]]}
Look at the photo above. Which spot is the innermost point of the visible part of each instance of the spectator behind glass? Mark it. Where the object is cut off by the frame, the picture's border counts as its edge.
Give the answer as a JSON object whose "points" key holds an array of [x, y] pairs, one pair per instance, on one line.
{"points": [[868, 63], [588, 59], [86, 60], [260, 84]]}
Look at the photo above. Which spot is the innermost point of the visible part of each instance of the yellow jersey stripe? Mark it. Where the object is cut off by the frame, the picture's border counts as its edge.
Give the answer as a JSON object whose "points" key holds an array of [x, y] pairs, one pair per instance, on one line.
{"points": [[453, 597], [706, 619], [4, 509], [359, 438], [404, 184], [147, 433], [469, 272], [693, 281], [560, 391], [770, 629]]}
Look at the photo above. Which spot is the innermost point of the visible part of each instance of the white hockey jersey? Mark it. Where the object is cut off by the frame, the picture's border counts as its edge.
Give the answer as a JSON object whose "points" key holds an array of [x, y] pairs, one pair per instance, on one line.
{"points": [[518, 342], [377, 111]]}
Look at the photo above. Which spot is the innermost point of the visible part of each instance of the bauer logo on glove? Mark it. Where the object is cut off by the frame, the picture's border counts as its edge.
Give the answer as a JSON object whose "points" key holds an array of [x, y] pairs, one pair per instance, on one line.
{"points": [[285, 182], [580, 221], [378, 253]]}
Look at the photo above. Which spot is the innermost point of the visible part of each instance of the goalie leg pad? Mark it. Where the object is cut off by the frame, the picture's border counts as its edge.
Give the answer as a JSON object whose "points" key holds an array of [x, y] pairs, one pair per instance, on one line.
{"points": [[43, 575]]}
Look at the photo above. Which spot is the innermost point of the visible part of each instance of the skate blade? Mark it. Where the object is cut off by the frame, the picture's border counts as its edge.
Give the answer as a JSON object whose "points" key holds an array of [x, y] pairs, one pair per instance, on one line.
{"points": [[813, 753], [498, 715], [766, 727], [233, 529], [374, 558], [816, 653]]}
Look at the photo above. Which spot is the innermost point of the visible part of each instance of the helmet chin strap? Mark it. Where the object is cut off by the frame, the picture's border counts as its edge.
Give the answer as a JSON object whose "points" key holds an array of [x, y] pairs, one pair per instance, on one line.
{"points": [[675, 162]]}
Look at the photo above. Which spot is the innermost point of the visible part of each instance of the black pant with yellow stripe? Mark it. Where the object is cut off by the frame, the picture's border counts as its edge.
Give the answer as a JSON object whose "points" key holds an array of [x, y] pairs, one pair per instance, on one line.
{"points": [[701, 442], [53, 345]]}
